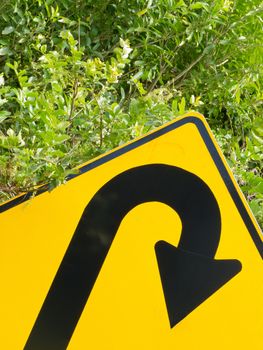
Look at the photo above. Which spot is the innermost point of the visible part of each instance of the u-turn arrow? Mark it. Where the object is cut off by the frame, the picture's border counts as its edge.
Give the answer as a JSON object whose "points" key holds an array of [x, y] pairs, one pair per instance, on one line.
{"points": [[189, 272]]}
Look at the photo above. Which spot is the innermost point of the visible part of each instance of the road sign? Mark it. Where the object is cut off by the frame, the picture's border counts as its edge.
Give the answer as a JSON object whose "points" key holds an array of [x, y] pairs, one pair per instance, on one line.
{"points": [[152, 246]]}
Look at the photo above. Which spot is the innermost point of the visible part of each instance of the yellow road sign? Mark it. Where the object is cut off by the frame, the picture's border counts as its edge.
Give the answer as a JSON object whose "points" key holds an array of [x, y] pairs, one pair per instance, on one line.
{"points": [[152, 246]]}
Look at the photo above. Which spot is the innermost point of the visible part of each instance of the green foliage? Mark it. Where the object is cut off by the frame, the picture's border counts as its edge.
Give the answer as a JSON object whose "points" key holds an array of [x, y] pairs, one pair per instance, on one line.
{"points": [[81, 77], [246, 162]]}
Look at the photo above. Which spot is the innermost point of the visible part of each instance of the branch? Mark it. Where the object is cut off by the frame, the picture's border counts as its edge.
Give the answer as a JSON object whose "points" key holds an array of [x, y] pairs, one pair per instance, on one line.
{"points": [[185, 71], [74, 96]]}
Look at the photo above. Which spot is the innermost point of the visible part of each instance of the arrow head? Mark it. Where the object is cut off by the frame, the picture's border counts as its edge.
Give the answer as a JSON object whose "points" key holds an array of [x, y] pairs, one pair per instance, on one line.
{"points": [[188, 279]]}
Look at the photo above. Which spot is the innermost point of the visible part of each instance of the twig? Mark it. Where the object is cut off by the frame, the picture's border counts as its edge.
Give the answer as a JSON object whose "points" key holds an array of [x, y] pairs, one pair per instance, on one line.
{"points": [[101, 130], [185, 71], [73, 100]]}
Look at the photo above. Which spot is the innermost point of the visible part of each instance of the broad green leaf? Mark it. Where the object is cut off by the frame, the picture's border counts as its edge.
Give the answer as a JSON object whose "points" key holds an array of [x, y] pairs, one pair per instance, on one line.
{"points": [[8, 30], [4, 51], [142, 12], [198, 5], [4, 115]]}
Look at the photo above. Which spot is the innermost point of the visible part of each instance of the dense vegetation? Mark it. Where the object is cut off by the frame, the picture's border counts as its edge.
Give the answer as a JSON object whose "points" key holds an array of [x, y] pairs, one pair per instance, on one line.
{"points": [[79, 77]]}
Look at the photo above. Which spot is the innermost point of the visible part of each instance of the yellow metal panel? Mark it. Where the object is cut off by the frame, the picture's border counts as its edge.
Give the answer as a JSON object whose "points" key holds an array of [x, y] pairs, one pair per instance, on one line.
{"points": [[127, 307]]}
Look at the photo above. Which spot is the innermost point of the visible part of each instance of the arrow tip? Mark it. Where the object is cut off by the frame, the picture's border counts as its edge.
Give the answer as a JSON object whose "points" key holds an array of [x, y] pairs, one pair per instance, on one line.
{"points": [[188, 279]]}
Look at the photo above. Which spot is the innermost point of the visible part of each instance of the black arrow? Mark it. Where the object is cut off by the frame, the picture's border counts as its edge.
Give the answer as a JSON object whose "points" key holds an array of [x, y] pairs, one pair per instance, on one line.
{"points": [[188, 279], [197, 207]]}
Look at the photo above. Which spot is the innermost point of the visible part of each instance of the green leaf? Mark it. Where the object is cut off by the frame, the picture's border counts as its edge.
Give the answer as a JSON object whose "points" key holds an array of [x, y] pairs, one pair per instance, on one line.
{"points": [[8, 30], [4, 51], [198, 5], [175, 106], [142, 12], [257, 137], [181, 105], [4, 115]]}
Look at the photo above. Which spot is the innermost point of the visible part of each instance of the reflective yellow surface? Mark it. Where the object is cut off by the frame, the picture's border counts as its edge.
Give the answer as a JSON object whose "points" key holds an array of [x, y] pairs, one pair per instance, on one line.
{"points": [[126, 309]]}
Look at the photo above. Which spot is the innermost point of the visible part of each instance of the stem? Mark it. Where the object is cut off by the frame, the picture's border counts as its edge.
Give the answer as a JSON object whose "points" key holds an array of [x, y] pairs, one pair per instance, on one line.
{"points": [[73, 100], [101, 129], [185, 71]]}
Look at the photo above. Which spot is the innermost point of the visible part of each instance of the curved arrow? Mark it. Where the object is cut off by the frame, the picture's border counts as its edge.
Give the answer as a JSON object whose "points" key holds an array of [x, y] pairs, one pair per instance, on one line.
{"points": [[192, 260]]}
